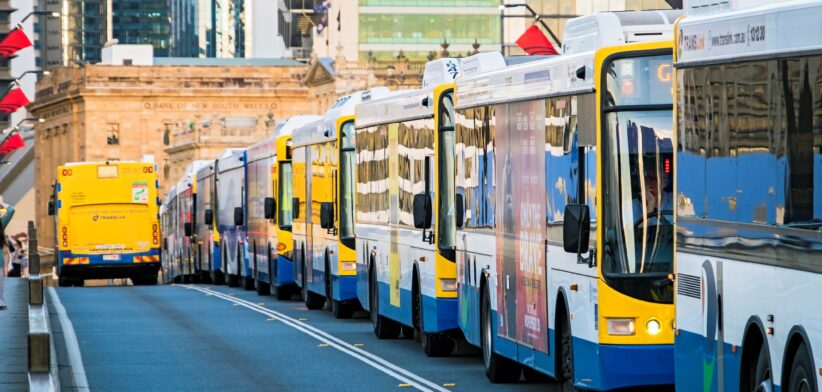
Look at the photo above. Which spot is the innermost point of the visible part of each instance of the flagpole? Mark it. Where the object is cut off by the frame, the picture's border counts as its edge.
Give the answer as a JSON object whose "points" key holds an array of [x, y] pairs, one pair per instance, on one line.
{"points": [[536, 16]]}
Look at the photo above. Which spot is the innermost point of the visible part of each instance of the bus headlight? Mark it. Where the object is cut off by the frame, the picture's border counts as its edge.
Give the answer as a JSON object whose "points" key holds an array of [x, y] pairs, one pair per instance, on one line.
{"points": [[448, 284], [621, 326], [349, 266], [653, 327]]}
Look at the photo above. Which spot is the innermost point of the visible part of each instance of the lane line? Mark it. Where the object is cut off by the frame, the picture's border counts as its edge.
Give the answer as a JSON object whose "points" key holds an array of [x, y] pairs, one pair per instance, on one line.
{"points": [[399, 373], [78, 371]]}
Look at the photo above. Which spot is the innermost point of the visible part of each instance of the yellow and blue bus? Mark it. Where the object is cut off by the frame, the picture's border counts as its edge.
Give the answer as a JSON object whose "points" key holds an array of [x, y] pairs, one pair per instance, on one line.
{"points": [[749, 196], [229, 218], [323, 159], [107, 221], [178, 217], [564, 228], [209, 257], [268, 175], [403, 279]]}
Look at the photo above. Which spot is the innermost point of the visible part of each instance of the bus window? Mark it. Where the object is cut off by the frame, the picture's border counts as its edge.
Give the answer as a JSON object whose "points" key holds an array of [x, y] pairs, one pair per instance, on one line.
{"points": [[638, 179], [348, 161], [446, 223], [285, 196]]}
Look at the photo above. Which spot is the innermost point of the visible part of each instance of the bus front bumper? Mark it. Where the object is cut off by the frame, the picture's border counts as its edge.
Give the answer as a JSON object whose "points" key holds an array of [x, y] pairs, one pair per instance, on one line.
{"points": [[625, 366], [108, 271]]}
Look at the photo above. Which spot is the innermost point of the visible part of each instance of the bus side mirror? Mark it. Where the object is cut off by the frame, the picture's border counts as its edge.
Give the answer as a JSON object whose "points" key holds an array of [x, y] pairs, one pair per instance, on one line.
{"points": [[187, 229], [422, 211], [576, 228], [51, 207], [295, 207], [327, 215], [269, 206], [238, 216], [460, 206], [209, 217]]}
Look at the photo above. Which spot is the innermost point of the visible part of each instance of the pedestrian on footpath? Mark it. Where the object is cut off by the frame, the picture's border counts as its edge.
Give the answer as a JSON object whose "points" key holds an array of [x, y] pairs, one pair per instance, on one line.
{"points": [[6, 213]]}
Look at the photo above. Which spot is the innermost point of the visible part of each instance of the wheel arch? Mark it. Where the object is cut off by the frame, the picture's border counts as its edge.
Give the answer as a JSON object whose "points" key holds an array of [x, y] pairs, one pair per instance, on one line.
{"points": [[796, 336], [753, 340]]}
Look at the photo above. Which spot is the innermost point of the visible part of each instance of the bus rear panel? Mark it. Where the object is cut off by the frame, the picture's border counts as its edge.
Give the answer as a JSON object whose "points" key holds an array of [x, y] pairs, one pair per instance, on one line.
{"points": [[107, 222]]}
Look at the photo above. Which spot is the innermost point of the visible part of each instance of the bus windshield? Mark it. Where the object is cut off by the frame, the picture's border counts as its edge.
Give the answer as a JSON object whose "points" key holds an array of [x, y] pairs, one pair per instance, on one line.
{"points": [[286, 215], [638, 172], [446, 224], [348, 160]]}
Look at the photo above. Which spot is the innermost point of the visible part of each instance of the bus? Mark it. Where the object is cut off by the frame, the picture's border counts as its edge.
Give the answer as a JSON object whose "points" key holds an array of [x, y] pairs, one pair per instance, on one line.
{"points": [[178, 215], [268, 175], [546, 152], [404, 282], [749, 197], [205, 228], [323, 203], [107, 217], [230, 220]]}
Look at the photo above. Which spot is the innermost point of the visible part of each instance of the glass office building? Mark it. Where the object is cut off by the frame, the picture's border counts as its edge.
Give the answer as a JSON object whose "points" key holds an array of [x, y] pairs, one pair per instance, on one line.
{"points": [[142, 22]]}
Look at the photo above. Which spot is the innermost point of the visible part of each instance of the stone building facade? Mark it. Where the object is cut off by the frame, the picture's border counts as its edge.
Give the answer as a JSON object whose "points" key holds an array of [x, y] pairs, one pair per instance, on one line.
{"points": [[174, 112]]}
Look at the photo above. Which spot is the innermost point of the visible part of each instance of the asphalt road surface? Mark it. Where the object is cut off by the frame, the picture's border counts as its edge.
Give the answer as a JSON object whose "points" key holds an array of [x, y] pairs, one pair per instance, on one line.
{"points": [[203, 337]]}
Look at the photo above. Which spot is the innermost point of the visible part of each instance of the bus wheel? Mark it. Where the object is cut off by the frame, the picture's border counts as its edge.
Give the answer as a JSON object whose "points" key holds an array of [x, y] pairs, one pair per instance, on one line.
{"points": [[498, 369], [433, 344], [407, 332], [762, 375], [534, 376], [262, 288], [341, 310], [802, 375], [384, 328], [217, 277], [312, 301], [64, 282], [565, 368], [233, 280]]}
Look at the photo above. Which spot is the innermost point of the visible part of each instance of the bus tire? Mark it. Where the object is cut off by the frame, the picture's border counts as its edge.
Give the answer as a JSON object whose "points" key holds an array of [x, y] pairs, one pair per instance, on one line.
{"points": [[534, 376], [498, 369], [78, 282], [312, 301], [384, 327], [433, 344], [233, 280], [565, 348], [341, 310], [262, 288], [63, 282], [802, 376], [217, 277], [407, 332]]}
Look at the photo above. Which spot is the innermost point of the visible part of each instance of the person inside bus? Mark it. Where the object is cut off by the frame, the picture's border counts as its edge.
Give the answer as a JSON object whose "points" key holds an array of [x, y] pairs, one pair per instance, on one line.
{"points": [[654, 223], [6, 213]]}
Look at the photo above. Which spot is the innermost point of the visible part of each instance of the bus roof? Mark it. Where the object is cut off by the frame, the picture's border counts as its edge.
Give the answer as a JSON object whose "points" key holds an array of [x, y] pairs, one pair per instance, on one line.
{"points": [[267, 147], [766, 31], [325, 128], [571, 72], [231, 158], [401, 106]]}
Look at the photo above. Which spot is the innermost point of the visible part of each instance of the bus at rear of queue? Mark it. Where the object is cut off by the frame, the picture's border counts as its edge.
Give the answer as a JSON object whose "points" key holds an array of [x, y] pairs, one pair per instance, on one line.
{"points": [[107, 221]]}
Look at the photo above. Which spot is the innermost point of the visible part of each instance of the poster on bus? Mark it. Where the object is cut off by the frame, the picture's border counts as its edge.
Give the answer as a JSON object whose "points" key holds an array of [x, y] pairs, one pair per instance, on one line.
{"points": [[520, 198]]}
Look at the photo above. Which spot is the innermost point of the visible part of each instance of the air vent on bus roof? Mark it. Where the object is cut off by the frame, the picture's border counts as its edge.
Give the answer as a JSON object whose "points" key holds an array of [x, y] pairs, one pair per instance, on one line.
{"points": [[591, 32], [482, 63], [440, 71]]}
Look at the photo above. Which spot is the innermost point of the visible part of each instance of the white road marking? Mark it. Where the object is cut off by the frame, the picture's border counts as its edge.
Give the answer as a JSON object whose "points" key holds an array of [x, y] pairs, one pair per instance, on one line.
{"points": [[372, 360], [78, 371]]}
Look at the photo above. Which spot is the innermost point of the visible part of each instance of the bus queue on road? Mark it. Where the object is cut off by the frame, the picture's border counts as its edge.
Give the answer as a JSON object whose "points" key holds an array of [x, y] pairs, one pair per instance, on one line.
{"points": [[643, 209]]}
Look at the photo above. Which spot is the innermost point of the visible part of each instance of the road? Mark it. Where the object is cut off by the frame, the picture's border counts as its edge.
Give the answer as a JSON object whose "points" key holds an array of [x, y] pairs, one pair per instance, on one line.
{"points": [[203, 337]]}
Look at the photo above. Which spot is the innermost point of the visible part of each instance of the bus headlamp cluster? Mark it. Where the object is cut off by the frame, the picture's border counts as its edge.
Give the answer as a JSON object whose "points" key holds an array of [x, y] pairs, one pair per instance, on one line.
{"points": [[448, 284], [621, 326], [653, 327]]}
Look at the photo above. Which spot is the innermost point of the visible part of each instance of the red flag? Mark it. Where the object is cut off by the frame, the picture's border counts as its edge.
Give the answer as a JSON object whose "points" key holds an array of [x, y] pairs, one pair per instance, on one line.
{"points": [[534, 42], [12, 143], [13, 42], [14, 100]]}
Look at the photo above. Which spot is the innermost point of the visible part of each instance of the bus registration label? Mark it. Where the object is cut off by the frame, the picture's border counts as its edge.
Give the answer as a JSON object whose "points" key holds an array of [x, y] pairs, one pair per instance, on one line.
{"points": [[111, 257], [139, 192]]}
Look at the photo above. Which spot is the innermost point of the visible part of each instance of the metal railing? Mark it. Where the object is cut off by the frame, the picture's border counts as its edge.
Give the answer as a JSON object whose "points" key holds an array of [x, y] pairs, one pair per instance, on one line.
{"points": [[41, 368]]}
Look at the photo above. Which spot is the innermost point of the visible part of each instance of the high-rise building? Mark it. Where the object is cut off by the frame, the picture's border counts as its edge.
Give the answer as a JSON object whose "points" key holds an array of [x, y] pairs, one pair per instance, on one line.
{"points": [[142, 22], [224, 28], [379, 29], [77, 36]]}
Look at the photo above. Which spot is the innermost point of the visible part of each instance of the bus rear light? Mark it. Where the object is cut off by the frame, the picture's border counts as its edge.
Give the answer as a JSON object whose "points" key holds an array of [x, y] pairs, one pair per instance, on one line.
{"points": [[448, 284], [65, 237], [621, 326], [349, 266], [65, 244], [280, 247], [155, 241]]}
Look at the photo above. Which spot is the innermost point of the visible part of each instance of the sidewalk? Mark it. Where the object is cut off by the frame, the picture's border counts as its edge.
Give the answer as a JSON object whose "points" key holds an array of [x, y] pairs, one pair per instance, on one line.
{"points": [[14, 325]]}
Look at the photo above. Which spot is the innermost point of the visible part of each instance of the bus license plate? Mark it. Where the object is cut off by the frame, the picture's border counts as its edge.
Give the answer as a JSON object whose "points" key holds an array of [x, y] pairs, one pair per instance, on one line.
{"points": [[111, 257]]}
